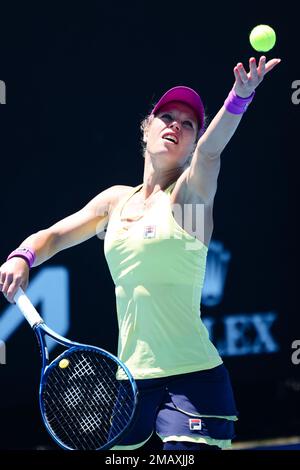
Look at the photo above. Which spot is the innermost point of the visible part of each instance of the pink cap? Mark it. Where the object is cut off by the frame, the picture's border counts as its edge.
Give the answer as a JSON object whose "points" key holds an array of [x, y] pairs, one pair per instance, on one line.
{"points": [[185, 95]]}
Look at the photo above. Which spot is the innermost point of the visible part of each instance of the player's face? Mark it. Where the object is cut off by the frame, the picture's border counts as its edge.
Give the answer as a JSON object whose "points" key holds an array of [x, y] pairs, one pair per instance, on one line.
{"points": [[173, 132]]}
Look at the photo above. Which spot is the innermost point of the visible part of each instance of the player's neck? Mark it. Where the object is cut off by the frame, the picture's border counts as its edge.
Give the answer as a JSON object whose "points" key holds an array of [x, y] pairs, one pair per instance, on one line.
{"points": [[157, 179]]}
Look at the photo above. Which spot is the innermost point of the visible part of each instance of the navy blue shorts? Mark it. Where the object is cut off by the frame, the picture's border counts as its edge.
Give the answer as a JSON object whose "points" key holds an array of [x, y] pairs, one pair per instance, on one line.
{"points": [[196, 407]]}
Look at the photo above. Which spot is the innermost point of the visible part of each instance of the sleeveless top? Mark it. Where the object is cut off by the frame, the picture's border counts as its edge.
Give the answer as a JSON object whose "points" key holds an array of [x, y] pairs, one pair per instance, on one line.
{"points": [[158, 270]]}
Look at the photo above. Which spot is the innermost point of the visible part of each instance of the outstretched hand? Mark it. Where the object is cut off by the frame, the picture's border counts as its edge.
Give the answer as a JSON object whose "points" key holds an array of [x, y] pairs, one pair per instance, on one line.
{"points": [[245, 83]]}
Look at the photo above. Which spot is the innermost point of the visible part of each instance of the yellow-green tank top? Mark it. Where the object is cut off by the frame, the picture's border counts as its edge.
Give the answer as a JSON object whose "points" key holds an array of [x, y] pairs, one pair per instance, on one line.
{"points": [[158, 270]]}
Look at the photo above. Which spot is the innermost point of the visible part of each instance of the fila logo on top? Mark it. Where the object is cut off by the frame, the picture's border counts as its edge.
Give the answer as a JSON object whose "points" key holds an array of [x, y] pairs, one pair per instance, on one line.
{"points": [[150, 231], [195, 424]]}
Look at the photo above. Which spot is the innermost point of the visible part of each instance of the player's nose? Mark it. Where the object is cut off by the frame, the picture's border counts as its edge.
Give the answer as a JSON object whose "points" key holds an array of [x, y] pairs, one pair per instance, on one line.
{"points": [[175, 125]]}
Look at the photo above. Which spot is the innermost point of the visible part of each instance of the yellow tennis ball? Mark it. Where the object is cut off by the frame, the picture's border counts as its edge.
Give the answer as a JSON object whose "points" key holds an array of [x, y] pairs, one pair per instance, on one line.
{"points": [[262, 38], [63, 363]]}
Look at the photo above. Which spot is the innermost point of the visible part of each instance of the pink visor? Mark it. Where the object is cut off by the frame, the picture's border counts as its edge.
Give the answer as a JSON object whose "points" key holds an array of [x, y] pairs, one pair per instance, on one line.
{"points": [[185, 95]]}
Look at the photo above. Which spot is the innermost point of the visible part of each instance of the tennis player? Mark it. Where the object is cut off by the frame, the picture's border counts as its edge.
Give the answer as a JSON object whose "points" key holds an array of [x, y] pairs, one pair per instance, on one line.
{"points": [[156, 243]]}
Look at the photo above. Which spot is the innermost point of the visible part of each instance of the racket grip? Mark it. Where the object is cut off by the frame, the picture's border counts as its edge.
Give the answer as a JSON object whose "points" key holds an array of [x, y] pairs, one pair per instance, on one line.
{"points": [[26, 307]]}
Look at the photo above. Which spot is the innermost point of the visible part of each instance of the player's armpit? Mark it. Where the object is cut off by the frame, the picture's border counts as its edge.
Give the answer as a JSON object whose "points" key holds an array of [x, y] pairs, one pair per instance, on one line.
{"points": [[202, 176]]}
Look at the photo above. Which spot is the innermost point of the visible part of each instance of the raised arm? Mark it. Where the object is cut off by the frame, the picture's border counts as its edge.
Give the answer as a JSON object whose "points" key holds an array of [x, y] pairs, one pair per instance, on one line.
{"points": [[70, 231], [205, 164]]}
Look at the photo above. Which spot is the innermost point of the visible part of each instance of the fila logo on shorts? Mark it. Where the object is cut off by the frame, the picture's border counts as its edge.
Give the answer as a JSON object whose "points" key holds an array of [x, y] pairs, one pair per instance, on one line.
{"points": [[195, 424]]}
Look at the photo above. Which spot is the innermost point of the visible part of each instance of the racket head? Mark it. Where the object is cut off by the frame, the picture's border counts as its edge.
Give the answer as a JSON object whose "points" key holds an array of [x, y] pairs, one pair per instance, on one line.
{"points": [[88, 399]]}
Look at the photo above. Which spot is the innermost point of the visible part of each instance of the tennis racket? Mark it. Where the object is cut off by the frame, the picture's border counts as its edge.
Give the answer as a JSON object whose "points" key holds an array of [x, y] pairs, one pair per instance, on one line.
{"points": [[87, 396]]}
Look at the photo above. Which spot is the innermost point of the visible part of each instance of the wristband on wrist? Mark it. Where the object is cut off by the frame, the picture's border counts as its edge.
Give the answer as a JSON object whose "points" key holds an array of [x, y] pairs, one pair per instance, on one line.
{"points": [[236, 104], [26, 253]]}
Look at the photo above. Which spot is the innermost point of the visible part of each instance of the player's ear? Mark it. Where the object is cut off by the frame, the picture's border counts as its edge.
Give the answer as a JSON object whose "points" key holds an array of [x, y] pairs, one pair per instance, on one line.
{"points": [[146, 130], [146, 127]]}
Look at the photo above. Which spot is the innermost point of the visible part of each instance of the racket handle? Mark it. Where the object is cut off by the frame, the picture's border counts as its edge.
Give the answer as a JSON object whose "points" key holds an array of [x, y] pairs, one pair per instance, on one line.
{"points": [[27, 308]]}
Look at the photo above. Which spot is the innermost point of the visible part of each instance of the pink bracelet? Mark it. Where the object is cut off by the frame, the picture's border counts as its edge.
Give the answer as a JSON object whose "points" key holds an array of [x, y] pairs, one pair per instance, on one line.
{"points": [[236, 104], [26, 253]]}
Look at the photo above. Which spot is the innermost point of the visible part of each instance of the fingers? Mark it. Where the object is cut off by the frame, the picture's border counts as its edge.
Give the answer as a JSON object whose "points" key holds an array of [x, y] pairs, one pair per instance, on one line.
{"points": [[8, 287], [2, 285], [237, 76], [242, 72], [2, 280], [253, 69], [12, 276], [271, 64], [257, 72], [6, 283], [12, 290], [261, 67]]}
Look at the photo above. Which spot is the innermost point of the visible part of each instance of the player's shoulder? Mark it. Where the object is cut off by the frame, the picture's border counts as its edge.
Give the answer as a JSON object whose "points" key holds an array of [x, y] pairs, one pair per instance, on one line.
{"points": [[117, 192], [121, 188]]}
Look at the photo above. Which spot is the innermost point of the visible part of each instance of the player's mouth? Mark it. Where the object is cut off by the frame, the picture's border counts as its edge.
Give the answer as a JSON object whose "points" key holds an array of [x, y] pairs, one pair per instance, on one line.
{"points": [[170, 137]]}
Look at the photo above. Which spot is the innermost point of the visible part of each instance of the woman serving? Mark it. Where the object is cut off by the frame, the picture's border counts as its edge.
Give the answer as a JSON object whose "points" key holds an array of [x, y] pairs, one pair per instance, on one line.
{"points": [[156, 243]]}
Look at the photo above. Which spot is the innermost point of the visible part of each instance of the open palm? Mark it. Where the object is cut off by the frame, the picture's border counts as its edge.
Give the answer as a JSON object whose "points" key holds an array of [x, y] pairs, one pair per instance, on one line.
{"points": [[245, 83]]}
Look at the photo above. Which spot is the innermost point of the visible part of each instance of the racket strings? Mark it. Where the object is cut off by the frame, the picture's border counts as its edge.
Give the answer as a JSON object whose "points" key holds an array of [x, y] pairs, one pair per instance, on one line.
{"points": [[90, 417], [89, 403]]}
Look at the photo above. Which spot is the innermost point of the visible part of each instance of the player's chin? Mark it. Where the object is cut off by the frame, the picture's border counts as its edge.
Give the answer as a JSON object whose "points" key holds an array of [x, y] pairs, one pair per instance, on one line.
{"points": [[172, 149], [163, 151], [167, 153]]}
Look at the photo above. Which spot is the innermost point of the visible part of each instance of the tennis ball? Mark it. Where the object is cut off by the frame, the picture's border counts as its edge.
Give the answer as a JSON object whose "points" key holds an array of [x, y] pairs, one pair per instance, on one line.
{"points": [[63, 363], [262, 38]]}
